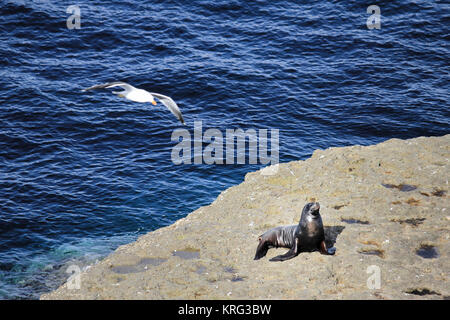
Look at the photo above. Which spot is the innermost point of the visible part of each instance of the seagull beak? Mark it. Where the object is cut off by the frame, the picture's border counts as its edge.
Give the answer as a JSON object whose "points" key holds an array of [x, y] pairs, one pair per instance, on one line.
{"points": [[154, 102]]}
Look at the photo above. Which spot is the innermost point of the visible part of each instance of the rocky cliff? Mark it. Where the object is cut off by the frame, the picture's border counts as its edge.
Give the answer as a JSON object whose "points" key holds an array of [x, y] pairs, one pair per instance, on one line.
{"points": [[385, 207]]}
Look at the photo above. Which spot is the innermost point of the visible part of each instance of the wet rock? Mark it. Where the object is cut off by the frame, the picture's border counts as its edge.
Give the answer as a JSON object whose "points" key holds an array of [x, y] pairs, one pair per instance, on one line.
{"points": [[428, 252]]}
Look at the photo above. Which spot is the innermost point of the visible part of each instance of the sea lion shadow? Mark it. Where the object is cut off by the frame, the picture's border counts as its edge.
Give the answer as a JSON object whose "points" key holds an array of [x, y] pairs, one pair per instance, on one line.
{"points": [[331, 234]]}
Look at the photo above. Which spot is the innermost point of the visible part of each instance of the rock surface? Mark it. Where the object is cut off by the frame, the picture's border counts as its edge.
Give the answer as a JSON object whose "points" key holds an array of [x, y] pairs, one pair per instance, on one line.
{"points": [[388, 205]]}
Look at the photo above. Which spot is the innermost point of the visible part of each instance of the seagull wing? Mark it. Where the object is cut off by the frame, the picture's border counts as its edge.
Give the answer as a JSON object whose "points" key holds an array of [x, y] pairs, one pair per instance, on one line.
{"points": [[121, 84], [170, 104]]}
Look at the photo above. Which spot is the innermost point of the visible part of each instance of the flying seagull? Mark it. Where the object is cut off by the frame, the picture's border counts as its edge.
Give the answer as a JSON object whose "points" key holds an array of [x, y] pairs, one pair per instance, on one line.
{"points": [[139, 95]]}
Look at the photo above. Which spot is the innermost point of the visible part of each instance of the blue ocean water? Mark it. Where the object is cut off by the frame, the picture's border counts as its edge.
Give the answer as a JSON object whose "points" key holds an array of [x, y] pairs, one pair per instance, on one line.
{"points": [[81, 174]]}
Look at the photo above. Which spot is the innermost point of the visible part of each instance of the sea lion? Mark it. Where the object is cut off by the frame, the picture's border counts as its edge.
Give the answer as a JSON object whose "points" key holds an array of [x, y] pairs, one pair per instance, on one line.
{"points": [[308, 235]]}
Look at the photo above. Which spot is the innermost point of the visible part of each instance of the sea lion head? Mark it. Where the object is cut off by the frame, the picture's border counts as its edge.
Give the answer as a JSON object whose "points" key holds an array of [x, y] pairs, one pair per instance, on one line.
{"points": [[311, 209]]}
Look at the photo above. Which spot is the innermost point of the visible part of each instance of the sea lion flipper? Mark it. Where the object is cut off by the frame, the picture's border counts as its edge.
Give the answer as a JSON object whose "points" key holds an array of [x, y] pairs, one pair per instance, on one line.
{"points": [[262, 249], [293, 252], [324, 250], [288, 255]]}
